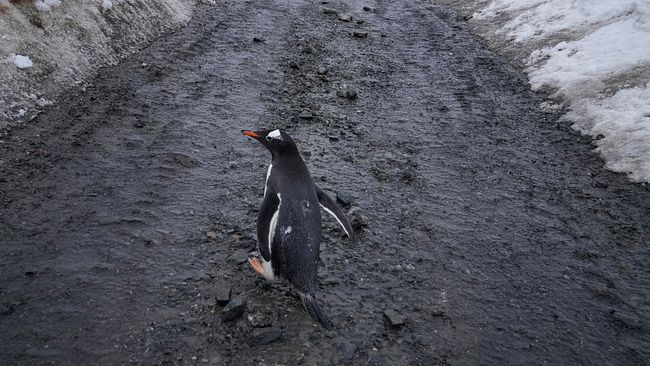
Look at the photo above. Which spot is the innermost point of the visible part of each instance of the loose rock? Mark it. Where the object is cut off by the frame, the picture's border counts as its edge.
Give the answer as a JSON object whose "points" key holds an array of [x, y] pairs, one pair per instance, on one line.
{"points": [[258, 320], [393, 318], [212, 235], [360, 21], [233, 310], [223, 294], [308, 50], [367, 8], [263, 336], [345, 17], [306, 115], [344, 198], [258, 39], [239, 257], [437, 312], [330, 11], [348, 93], [351, 94], [357, 219], [360, 34], [322, 71]]}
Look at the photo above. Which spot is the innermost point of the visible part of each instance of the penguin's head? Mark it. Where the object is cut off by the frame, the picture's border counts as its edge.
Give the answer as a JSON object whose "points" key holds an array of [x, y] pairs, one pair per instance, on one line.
{"points": [[277, 141]]}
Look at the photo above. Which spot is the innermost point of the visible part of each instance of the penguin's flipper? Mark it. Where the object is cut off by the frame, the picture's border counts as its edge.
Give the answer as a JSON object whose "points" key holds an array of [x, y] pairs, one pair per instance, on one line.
{"points": [[269, 209], [333, 209]]}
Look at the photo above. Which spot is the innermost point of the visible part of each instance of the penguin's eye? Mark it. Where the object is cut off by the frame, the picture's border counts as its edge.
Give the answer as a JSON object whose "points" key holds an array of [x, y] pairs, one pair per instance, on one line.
{"points": [[268, 138]]}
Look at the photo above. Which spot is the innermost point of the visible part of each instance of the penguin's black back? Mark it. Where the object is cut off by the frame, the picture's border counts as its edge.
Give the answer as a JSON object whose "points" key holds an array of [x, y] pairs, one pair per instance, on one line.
{"points": [[296, 242]]}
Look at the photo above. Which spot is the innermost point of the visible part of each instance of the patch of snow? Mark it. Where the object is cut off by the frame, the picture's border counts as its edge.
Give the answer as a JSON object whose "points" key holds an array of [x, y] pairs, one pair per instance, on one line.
{"points": [[46, 5], [595, 55], [624, 120], [21, 62], [107, 4]]}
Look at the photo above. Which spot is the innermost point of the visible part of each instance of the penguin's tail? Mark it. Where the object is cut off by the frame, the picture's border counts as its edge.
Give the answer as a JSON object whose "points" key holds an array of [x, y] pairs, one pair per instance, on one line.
{"points": [[314, 310]]}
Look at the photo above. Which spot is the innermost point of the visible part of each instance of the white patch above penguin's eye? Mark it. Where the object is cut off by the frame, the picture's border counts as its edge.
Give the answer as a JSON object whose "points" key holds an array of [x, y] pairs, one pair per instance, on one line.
{"points": [[274, 135]]}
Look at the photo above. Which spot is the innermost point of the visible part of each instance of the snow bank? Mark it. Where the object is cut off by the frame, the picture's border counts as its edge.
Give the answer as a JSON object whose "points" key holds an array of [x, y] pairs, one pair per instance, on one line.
{"points": [[593, 55], [48, 46]]}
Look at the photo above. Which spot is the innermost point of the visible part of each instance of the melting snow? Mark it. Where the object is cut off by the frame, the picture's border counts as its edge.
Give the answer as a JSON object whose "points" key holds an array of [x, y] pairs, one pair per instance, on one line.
{"points": [[596, 55]]}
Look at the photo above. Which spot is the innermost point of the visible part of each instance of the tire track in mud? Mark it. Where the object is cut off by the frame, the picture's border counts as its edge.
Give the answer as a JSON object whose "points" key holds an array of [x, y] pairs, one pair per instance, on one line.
{"points": [[491, 227]]}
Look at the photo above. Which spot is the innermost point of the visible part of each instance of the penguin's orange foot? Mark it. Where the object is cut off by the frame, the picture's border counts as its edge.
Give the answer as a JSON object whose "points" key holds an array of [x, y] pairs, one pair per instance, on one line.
{"points": [[257, 265]]}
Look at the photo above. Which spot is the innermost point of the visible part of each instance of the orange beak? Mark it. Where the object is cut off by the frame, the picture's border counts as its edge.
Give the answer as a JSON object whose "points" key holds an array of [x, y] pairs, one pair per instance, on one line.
{"points": [[250, 133]]}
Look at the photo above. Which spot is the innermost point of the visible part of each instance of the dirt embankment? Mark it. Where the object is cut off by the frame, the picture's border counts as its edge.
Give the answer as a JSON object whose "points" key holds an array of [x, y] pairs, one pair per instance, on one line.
{"points": [[66, 42]]}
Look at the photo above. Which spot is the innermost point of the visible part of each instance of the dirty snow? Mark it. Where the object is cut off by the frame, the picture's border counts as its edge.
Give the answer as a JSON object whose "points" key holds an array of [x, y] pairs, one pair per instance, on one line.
{"points": [[595, 56], [65, 42], [46, 5]]}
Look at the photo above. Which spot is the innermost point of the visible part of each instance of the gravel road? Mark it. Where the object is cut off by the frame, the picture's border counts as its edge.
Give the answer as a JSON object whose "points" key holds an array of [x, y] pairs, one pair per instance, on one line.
{"points": [[487, 231]]}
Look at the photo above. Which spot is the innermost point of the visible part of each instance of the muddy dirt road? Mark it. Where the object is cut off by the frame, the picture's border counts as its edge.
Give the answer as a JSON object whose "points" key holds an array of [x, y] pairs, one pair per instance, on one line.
{"points": [[492, 230]]}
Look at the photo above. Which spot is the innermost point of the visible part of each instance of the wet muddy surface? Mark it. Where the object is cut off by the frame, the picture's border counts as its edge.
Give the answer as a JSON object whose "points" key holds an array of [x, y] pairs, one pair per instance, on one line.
{"points": [[487, 232]]}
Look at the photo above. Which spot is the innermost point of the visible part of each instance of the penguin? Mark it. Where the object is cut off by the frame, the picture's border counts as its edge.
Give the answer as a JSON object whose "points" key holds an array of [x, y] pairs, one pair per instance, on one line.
{"points": [[289, 221]]}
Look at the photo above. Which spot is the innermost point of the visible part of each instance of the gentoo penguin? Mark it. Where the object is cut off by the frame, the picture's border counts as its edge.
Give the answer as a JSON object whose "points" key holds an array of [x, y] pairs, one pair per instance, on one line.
{"points": [[289, 221]]}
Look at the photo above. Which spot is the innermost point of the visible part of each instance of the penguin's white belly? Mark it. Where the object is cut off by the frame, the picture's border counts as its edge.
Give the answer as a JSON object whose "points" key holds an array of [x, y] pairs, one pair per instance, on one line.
{"points": [[268, 271]]}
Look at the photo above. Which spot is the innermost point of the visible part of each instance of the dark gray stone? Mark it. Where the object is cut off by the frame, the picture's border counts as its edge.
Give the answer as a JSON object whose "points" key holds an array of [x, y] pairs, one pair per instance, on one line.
{"points": [[223, 293], [306, 115], [258, 39], [437, 312], [330, 11], [360, 34], [234, 310], [308, 50], [345, 17], [351, 94], [344, 198], [357, 219], [393, 318], [263, 336], [238, 257]]}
